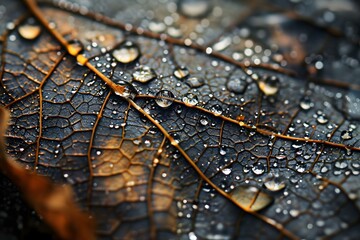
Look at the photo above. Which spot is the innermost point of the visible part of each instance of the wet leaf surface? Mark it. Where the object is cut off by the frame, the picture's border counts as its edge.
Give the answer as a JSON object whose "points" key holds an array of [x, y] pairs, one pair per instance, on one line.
{"points": [[190, 119]]}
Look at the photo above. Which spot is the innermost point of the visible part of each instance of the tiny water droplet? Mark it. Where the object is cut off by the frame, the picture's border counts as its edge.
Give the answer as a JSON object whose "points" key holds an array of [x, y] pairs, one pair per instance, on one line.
{"points": [[29, 32], [194, 82], [204, 121], [258, 168], [181, 72], [126, 52], [236, 85], [129, 91], [275, 184], [322, 119], [346, 135], [305, 103], [250, 197], [216, 109], [143, 74], [270, 85], [194, 8], [164, 98], [190, 99], [226, 171]]}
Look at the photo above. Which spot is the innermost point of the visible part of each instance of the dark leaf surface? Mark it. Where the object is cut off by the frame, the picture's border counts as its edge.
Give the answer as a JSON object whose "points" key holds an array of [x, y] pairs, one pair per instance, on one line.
{"points": [[190, 119]]}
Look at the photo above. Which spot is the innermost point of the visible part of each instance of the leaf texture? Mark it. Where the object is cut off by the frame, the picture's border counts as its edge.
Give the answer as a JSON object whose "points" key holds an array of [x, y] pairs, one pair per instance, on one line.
{"points": [[257, 140]]}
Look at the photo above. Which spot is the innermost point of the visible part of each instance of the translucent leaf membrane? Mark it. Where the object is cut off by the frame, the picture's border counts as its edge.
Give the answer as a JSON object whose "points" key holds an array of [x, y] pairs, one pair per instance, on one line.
{"points": [[228, 120]]}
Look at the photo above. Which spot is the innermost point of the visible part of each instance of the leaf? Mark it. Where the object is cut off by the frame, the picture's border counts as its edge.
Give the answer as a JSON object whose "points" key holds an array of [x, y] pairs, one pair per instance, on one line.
{"points": [[168, 120], [53, 202]]}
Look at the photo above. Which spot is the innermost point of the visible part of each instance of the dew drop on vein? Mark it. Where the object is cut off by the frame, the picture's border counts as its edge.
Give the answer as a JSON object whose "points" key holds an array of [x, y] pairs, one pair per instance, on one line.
{"points": [[164, 98], [29, 31], [126, 52], [216, 109], [75, 47], [250, 197], [190, 99], [129, 91], [143, 74]]}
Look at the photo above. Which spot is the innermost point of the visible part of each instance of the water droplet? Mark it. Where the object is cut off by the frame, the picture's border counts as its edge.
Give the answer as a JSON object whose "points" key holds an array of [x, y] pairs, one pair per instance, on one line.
{"points": [[194, 8], [129, 91], [164, 98], [226, 171], [190, 99], [236, 85], [194, 82], [270, 85], [216, 109], [222, 44], [250, 197], [305, 103], [222, 151], [143, 74], [204, 121], [181, 72], [157, 27], [275, 184], [258, 168], [341, 164], [300, 167], [75, 47], [29, 32], [126, 52], [322, 119], [346, 135]]}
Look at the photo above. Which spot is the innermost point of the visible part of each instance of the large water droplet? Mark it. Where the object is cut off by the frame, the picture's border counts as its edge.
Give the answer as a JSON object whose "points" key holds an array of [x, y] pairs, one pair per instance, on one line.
{"points": [[270, 85], [250, 197], [164, 98], [236, 85], [275, 184], [194, 8], [346, 135], [305, 103], [194, 82], [29, 32], [181, 72], [143, 74], [126, 52], [129, 91], [190, 99]]}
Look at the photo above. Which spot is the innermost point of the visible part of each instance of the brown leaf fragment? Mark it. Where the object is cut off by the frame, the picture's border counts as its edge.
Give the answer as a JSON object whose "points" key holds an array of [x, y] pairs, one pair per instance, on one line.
{"points": [[54, 202]]}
